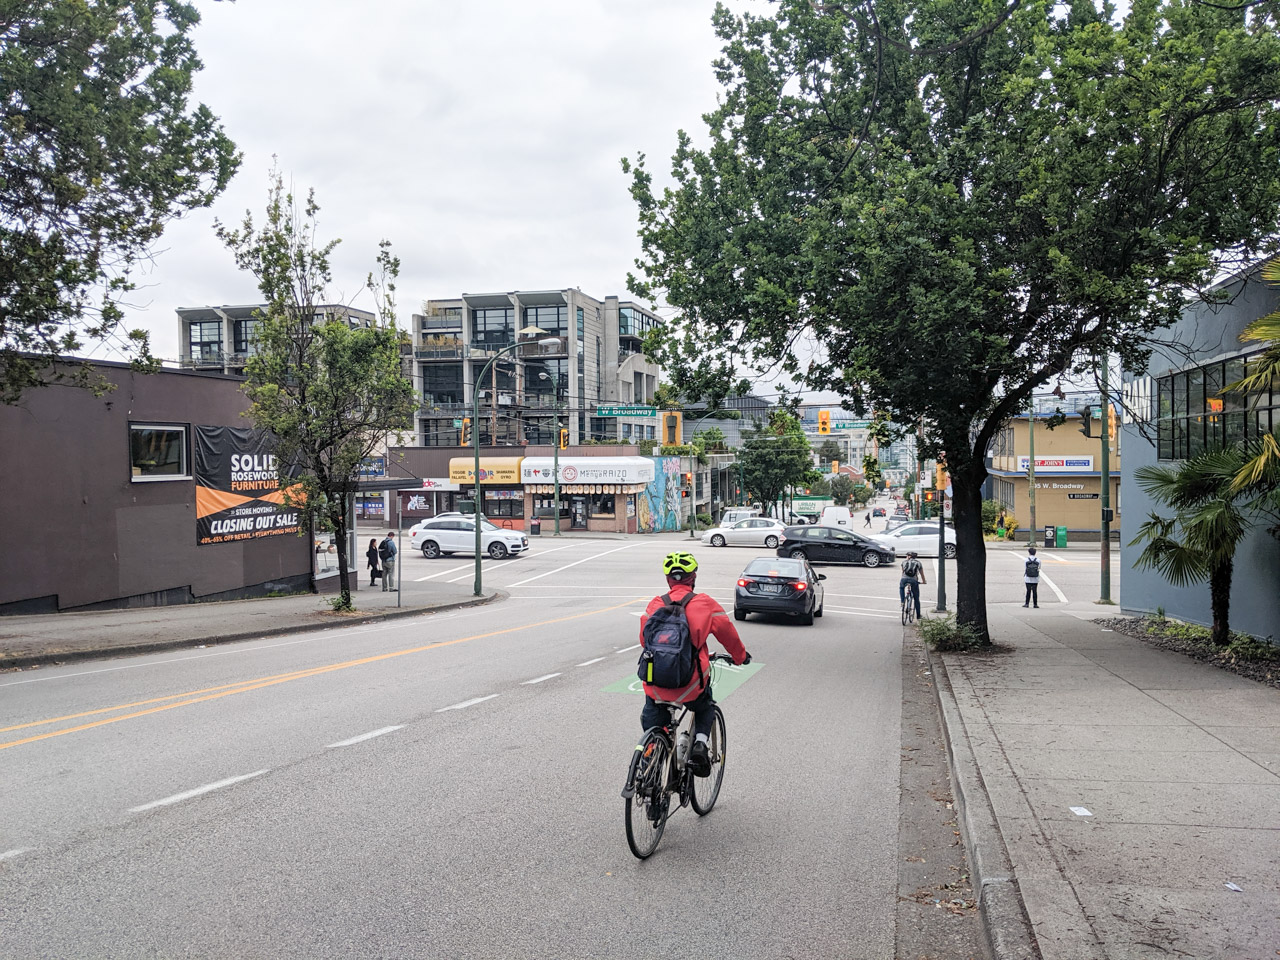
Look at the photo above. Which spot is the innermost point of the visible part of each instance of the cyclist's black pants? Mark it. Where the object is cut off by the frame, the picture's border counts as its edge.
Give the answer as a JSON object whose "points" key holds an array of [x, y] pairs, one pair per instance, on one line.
{"points": [[902, 591], [704, 716]]}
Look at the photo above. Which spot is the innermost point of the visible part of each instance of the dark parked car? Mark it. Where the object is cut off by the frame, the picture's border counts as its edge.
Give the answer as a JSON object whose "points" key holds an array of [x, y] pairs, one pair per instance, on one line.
{"points": [[833, 545], [779, 585], [878, 512]]}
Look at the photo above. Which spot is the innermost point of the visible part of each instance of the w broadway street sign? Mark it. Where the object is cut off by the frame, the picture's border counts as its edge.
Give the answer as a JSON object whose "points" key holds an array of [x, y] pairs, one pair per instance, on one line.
{"points": [[628, 411]]}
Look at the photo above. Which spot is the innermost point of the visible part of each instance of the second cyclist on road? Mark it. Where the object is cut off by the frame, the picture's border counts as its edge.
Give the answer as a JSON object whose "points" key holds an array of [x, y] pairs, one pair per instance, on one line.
{"points": [[705, 618], [913, 574]]}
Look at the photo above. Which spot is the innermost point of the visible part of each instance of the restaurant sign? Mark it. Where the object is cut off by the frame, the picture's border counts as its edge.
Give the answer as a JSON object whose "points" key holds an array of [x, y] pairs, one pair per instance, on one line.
{"points": [[620, 470], [492, 469]]}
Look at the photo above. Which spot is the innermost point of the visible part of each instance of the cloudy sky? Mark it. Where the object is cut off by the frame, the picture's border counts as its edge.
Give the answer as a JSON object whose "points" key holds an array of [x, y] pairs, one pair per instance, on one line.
{"points": [[483, 139]]}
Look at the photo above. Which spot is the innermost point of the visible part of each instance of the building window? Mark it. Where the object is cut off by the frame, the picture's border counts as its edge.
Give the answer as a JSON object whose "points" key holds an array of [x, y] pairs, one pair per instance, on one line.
{"points": [[247, 336], [505, 503], [1193, 415], [601, 505], [554, 320], [158, 452], [493, 326], [206, 340]]}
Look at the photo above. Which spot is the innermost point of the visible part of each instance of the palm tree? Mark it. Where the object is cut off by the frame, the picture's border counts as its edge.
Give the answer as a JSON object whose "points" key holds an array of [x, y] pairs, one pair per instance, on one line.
{"points": [[1260, 472], [1210, 519]]}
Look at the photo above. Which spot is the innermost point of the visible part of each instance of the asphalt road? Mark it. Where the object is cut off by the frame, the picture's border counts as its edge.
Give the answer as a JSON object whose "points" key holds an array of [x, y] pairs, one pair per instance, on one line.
{"points": [[448, 786]]}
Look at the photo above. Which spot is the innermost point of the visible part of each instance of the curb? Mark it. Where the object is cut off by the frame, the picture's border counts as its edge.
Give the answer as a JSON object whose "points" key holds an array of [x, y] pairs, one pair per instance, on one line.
{"points": [[160, 646], [1004, 915]]}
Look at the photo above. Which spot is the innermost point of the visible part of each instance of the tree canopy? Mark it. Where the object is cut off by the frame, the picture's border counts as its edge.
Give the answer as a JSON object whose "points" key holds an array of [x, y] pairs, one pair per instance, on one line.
{"points": [[933, 208], [774, 456], [328, 391], [99, 149]]}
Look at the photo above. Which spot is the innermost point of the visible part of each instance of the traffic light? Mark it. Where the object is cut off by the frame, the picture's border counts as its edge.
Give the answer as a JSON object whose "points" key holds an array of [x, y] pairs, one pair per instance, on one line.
{"points": [[824, 421], [1111, 420], [928, 496], [835, 466], [564, 438], [1086, 419], [671, 429], [466, 431], [942, 481]]}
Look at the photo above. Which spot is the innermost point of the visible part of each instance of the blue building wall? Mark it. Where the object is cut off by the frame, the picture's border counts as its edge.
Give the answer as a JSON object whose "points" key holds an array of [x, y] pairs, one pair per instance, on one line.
{"points": [[1205, 334]]}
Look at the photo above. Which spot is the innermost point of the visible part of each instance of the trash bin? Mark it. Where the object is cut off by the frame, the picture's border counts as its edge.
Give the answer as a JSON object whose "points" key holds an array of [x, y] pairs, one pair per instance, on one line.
{"points": [[1062, 537], [1048, 536], [535, 528]]}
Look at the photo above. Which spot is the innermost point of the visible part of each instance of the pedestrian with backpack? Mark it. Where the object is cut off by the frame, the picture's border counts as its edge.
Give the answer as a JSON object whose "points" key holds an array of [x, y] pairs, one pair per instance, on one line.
{"points": [[1031, 577], [675, 664], [387, 554]]}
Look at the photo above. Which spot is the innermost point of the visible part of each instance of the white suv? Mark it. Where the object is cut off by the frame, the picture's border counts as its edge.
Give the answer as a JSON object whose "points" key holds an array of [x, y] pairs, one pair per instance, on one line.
{"points": [[442, 536]]}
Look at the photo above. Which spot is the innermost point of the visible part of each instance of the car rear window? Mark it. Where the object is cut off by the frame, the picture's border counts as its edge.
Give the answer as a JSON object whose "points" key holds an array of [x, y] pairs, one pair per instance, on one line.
{"points": [[775, 567]]}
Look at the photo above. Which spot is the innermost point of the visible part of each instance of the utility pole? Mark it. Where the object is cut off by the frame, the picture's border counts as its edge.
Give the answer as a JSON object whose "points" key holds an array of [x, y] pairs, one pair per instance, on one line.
{"points": [[1031, 467], [1105, 468]]}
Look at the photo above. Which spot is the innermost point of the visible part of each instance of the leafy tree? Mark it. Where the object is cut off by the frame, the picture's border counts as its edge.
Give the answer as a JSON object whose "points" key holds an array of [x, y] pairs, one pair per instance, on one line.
{"points": [[859, 493], [819, 484], [774, 457], [328, 392], [1199, 541], [957, 207], [829, 450], [711, 438], [99, 149], [842, 490]]}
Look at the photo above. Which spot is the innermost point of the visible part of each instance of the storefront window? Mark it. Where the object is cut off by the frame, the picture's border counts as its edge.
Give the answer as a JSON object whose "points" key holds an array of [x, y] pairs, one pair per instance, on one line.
{"points": [[504, 503], [601, 505], [158, 452]]}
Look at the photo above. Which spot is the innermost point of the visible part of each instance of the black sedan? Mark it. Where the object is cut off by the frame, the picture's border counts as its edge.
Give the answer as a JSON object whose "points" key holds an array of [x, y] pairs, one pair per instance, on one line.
{"points": [[833, 545], [779, 585]]}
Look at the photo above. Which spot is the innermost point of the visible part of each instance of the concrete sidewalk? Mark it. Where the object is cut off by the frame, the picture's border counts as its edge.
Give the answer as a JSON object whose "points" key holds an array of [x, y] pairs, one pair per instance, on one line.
{"points": [[28, 641], [1122, 799]]}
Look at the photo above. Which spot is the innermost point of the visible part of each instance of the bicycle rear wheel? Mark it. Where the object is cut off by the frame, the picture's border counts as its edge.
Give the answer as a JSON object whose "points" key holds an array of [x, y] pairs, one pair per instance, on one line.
{"points": [[647, 800], [707, 789]]}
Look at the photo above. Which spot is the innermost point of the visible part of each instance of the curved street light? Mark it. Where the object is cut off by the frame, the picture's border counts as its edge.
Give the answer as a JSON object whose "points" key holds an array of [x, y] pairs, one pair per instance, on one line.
{"points": [[475, 433]]}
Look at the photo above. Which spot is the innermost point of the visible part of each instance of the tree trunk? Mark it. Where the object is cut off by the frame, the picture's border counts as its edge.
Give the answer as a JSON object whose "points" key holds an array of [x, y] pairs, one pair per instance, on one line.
{"points": [[971, 550], [340, 534], [1220, 602]]}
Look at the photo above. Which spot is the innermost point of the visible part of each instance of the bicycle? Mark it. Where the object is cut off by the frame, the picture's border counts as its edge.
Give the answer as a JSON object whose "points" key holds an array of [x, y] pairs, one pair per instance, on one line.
{"points": [[659, 771], [909, 602]]}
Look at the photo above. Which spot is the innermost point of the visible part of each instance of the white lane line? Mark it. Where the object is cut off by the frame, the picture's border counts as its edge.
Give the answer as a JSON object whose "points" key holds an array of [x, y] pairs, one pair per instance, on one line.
{"points": [[628, 649], [539, 679], [432, 576], [467, 703], [13, 853], [492, 566], [365, 736], [590, 662], [1044, 578], [187, 795], [574, 564], [849, 613]]}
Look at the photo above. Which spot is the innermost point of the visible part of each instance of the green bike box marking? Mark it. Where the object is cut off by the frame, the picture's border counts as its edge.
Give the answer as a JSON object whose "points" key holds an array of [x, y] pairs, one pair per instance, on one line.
{"points": [[728, 679]]}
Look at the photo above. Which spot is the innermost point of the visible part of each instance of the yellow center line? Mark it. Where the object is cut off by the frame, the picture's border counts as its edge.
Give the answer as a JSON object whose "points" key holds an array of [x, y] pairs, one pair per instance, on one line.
{"points": [[216, 693]]}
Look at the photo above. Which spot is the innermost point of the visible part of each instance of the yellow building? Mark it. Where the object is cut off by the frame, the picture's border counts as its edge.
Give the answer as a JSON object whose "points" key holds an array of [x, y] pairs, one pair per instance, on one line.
{"points": [[1068, 476]]}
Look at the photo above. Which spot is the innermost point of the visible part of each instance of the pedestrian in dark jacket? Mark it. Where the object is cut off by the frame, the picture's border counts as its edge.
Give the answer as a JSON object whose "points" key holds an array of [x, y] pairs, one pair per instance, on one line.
{"points": [[372, 553]]}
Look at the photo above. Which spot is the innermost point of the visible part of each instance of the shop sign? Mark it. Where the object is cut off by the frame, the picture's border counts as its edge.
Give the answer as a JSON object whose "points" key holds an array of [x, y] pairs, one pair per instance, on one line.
{"points": [[439, 483], [371, 467], [582, 470], [492, 469], [1082, 496], [1057, 464], [238, 491]]}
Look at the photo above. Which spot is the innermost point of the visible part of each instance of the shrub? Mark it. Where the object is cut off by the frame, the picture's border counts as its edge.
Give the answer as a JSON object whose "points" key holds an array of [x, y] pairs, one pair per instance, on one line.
{"points": [[945, 635]]}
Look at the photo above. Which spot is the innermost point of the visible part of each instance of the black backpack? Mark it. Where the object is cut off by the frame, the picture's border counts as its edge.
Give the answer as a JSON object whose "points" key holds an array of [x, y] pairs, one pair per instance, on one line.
{"points": [[1033, 568], [669, 658], [384, 551]]}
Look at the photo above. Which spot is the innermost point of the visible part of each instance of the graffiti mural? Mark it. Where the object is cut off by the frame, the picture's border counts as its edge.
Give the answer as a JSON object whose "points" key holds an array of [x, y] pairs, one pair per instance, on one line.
{"points": [[658, 507]]}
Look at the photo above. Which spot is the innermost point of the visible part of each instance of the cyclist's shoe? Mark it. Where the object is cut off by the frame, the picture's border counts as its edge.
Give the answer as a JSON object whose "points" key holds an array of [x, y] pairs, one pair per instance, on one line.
{"points": [[700, 760]]}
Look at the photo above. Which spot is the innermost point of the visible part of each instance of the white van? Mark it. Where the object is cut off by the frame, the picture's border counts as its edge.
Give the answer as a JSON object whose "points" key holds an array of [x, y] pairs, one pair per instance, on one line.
{"points": [[836, 517], [734, 514]]}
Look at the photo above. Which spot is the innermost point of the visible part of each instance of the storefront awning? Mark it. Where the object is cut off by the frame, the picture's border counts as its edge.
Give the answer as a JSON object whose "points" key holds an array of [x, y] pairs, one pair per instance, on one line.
{"points": [[589, 471], [503, 470]]}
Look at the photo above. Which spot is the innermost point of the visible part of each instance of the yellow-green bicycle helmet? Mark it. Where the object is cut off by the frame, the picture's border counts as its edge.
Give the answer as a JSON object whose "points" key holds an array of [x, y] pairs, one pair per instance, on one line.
{"points": [[679, 564]]}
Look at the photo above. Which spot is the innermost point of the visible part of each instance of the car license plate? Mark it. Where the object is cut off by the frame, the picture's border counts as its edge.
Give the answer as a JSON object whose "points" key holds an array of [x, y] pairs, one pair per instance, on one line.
{"points": [[770, 588]]}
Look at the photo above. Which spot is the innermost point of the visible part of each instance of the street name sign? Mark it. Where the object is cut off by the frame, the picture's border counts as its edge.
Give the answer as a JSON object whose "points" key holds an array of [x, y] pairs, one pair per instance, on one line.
{"points": [[627, 411]]}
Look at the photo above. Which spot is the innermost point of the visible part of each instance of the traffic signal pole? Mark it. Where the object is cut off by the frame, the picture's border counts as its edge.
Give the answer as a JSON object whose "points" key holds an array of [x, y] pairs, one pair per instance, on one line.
{"points": [[1105, 470]]}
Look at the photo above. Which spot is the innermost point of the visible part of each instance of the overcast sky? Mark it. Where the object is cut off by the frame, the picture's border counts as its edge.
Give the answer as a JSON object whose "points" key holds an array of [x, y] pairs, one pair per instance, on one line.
{"points": [[482, 139]]}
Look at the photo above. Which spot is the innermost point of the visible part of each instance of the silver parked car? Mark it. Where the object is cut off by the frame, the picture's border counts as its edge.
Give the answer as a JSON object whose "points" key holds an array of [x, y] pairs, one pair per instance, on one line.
{"points": [[752, 532]]}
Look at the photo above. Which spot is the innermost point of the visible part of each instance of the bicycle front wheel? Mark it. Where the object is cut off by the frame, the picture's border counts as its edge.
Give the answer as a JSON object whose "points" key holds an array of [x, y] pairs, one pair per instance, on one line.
{"points": [[707, 789], [647, 800]]}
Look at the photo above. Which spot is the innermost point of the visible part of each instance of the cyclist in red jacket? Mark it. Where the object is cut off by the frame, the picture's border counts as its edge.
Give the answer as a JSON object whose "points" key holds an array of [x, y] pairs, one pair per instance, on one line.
{"points": [[706, 617]]}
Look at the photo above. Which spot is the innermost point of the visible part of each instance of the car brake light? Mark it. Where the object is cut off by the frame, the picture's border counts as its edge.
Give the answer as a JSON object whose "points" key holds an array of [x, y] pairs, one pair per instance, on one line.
{"points": [[742, 582], [800, 585]]}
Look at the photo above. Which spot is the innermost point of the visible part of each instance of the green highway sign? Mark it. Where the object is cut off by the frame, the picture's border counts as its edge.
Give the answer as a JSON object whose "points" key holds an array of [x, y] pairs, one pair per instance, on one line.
{"points": [[627, 411], [728, 678], [457, 423]]}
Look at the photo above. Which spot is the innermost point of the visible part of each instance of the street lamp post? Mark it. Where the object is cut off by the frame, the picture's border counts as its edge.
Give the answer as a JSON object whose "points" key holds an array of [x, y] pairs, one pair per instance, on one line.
{"points": [[475, 431], [555, 455]]}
